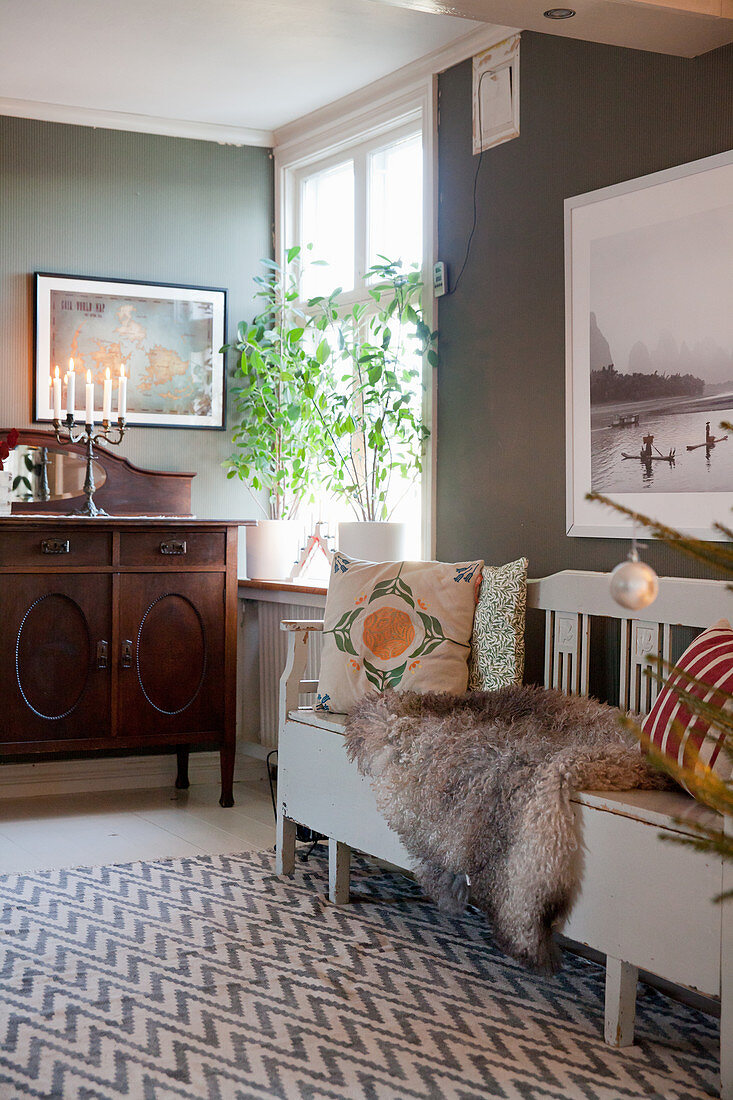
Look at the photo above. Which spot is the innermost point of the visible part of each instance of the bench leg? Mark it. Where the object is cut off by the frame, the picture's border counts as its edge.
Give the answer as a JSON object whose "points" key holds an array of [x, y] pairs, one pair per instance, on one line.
{"points": [[621, 979], [339, 866], [284, 844]]}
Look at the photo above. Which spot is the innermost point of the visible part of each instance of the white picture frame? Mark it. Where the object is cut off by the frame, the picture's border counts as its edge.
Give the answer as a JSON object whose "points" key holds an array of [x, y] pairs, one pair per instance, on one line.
{"points": [[653, 254]]}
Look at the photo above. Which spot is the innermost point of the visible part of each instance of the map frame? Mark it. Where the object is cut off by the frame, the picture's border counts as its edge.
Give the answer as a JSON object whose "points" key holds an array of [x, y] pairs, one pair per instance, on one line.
{"points": [[114, 306]]}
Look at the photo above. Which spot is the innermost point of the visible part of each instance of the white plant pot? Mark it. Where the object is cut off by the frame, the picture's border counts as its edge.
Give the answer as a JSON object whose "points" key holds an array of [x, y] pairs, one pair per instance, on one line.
{"points": [[273, 547], [6, 487], [373, 541]]}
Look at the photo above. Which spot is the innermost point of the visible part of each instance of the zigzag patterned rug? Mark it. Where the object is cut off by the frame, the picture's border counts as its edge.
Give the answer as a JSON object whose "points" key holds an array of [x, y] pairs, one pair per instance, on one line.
{"points": [[212, 979]]}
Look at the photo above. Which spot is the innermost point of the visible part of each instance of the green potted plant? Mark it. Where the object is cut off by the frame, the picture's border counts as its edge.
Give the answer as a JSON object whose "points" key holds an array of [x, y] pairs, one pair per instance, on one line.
{"points": [[368, 399], [277, 434]]}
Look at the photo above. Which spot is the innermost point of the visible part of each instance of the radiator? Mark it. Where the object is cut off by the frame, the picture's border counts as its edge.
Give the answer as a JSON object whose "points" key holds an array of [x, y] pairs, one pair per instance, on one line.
{"points": [[262, 654]]}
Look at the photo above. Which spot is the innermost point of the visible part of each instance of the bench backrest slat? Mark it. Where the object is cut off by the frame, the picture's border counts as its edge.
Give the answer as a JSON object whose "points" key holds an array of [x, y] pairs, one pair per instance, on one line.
{"points": [[570, 600]]}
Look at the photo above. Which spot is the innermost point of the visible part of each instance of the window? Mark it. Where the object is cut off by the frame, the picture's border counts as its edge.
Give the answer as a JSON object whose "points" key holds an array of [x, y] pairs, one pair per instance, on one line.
{"points": [[360, 193], [327, 221], [396, 201], [354, 210]]}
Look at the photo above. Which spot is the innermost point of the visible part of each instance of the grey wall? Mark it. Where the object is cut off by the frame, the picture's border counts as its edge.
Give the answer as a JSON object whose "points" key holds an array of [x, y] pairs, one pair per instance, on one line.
{"points": [[81, 201], [591, 116]]}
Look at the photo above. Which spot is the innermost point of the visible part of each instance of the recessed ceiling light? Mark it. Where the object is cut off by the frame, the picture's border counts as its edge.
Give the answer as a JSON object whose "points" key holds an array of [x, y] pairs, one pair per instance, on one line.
{"points": [[559, 13]]}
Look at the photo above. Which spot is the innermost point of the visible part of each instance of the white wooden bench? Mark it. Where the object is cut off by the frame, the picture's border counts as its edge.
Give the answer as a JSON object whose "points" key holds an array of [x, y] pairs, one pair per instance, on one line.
{"points": [[643, 903]]}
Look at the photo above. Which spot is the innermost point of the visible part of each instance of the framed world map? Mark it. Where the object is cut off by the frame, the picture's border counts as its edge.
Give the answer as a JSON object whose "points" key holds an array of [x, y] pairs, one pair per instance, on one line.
{"points": [[165, 338]]}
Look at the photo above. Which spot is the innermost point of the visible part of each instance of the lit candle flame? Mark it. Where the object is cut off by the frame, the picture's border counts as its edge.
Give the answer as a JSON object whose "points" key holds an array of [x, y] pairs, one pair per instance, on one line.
{"points": [[122, 370], [89, 377], [108, 375], [57, 372], [71, 366]]}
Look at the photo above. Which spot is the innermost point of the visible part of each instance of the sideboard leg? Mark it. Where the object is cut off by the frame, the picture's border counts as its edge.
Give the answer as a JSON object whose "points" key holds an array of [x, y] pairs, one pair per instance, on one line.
{"points": [[227, 775], [284, 844], [182, 783], [621, 979], [339, 872]]}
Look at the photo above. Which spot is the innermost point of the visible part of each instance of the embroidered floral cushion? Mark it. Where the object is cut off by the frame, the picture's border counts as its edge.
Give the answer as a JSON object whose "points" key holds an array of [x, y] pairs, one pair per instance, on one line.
{"points": [[672, 728], [402, 625], [497, 645]]}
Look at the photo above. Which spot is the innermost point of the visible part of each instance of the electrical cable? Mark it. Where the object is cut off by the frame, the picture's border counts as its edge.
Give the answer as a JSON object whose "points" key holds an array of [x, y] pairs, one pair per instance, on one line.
{"points": [[304, 856], [273, 752], [486, 72], [302, 832]]}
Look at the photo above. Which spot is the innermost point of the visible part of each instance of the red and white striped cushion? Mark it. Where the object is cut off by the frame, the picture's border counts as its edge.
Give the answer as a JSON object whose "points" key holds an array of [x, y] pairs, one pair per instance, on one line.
{"points": [[675, 732]]}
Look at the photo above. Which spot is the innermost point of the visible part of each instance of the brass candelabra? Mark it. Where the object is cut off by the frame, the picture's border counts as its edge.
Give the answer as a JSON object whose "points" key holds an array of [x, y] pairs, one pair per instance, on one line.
{"points": [[88, 436]]}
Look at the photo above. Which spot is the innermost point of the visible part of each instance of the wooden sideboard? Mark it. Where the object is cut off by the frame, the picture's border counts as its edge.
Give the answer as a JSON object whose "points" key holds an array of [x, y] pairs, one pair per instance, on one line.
{"points": [[118, 634]]}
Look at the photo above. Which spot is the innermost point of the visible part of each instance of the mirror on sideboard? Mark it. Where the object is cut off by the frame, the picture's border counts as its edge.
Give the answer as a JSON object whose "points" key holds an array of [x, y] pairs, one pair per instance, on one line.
{"points": [[46, 474], [48, 478]]}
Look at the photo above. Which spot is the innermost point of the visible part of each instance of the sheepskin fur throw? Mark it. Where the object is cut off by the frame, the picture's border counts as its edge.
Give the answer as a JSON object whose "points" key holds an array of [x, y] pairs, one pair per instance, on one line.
{"points": [[479, 785]]}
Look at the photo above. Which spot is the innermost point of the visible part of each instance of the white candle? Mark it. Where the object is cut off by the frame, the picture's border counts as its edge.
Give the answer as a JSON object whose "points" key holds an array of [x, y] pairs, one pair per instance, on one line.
{"points": [[107, 399], [90, 399], [70, 389], [57, 395], [122, 394]]}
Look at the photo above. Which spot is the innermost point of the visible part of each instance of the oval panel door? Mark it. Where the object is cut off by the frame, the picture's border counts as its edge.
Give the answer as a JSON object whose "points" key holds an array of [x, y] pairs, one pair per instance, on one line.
{"points": [[171, 653], [53, 656]]}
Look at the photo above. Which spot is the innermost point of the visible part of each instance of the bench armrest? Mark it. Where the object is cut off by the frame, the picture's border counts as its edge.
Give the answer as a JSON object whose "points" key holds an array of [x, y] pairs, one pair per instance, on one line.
{"points": [[292, 684], [295, 626]]}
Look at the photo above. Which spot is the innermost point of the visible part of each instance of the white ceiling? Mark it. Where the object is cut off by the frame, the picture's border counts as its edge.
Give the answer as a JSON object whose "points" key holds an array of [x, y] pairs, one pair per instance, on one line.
{"points": [[239, 63]]}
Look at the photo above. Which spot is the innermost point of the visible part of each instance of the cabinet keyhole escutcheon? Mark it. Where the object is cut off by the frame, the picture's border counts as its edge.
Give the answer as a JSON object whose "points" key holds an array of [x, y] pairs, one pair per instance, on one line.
{"points": [[102, 654]]}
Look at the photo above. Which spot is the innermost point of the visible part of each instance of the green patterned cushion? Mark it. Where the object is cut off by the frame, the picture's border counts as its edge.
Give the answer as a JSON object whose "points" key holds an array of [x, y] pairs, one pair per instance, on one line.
{"points": [[497, 644], [404, 625]]}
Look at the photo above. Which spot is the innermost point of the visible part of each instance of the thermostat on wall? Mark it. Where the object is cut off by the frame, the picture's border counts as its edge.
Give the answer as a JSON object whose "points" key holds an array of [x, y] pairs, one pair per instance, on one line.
{"points": [[440, 279]]}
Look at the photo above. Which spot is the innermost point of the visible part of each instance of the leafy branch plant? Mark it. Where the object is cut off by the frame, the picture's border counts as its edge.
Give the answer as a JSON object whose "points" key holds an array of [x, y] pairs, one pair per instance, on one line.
{"points": [[715, 708], [278, 434], [369, 397]]}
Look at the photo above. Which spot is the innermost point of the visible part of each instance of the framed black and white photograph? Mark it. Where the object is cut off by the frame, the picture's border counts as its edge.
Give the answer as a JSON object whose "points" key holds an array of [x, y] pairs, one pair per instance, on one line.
{"points": [[163, 339], [649, 331]]}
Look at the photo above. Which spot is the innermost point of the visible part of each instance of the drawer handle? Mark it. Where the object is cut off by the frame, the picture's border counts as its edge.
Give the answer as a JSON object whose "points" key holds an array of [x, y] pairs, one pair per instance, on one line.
{"points": [[175, 546], [102, 654], [55, 546], [126, 659]]}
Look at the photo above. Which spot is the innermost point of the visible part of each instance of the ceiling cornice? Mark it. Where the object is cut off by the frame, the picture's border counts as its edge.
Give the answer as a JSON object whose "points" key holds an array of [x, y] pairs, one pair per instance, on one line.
{"points": [[140, 124]]}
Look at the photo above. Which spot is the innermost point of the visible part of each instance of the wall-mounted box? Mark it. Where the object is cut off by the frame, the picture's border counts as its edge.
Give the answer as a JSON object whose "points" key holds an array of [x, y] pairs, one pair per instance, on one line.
{"points": [[496, 94]]}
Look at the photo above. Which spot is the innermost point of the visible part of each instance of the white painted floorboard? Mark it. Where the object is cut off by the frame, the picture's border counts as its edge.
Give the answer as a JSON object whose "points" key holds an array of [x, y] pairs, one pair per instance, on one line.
{"points": [[100, 827]]}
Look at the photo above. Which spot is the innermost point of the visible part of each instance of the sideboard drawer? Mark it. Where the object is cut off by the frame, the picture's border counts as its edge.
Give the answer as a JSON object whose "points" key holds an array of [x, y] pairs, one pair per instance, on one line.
{"points": [[177, 548], [54, 547]]}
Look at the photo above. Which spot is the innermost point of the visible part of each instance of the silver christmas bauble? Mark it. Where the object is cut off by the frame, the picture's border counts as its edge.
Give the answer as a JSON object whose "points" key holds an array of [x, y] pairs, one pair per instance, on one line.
{"points": [[634, 584]]}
